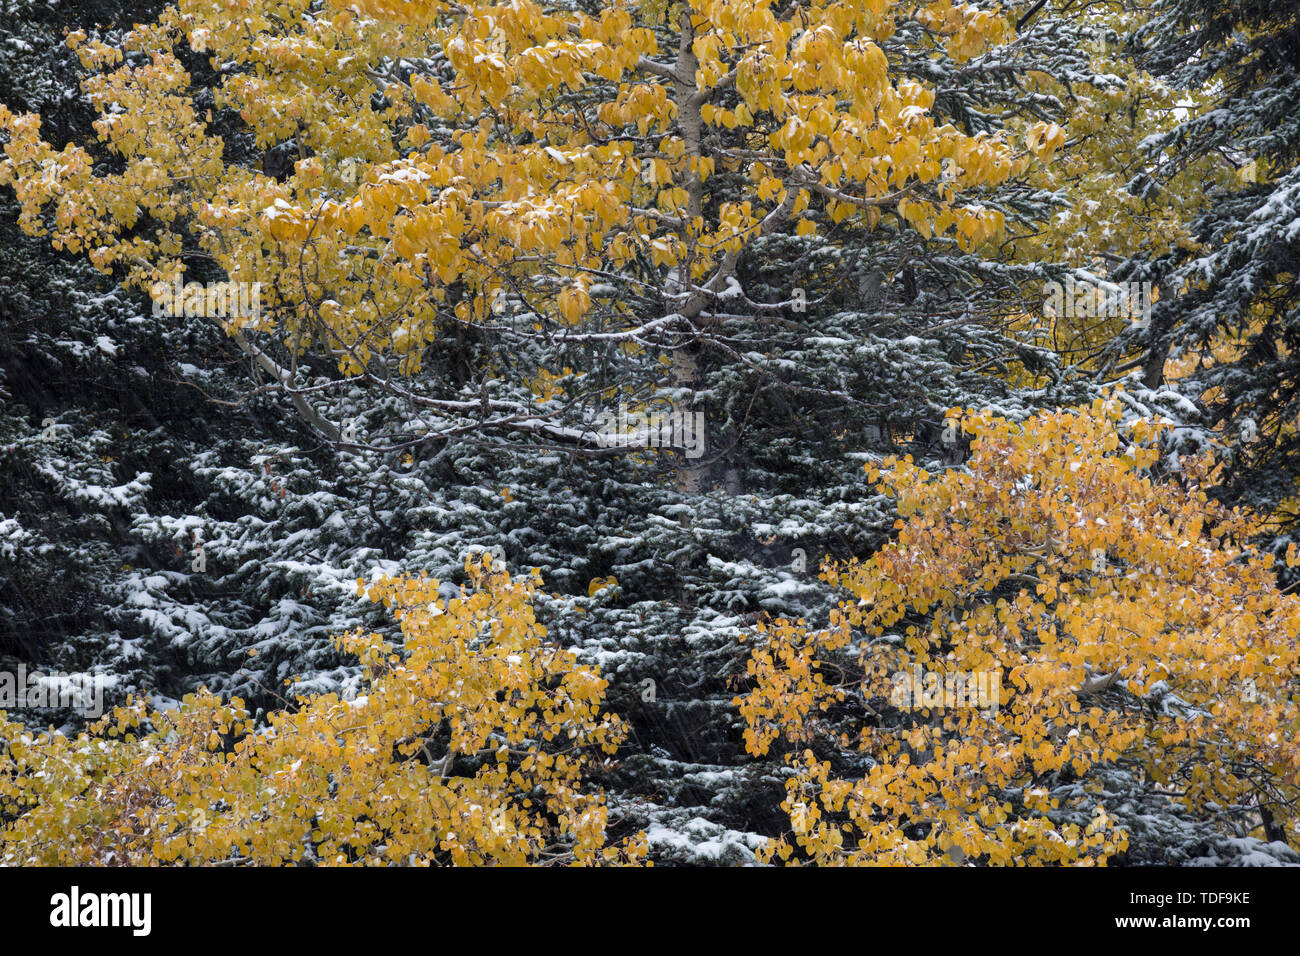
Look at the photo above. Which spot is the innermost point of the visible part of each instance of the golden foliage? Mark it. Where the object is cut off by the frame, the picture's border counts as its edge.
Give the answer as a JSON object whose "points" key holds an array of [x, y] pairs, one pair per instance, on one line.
{"points": [[1128, 624], [381, 224], [467, 746], [1115, 209]]}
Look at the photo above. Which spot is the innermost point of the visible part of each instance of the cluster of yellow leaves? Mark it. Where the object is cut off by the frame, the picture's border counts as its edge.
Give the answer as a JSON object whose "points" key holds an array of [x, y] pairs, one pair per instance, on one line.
{"points": [[1105, 221], [536, 182], [1107, 124], [1128, 621], [599, 584], [467, 746], [544, 386], [967, 29]]}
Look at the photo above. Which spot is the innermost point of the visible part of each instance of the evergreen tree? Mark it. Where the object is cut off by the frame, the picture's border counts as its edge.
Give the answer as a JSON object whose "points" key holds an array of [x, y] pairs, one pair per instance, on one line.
{"points": [[1235, 317], [257, 472]]}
